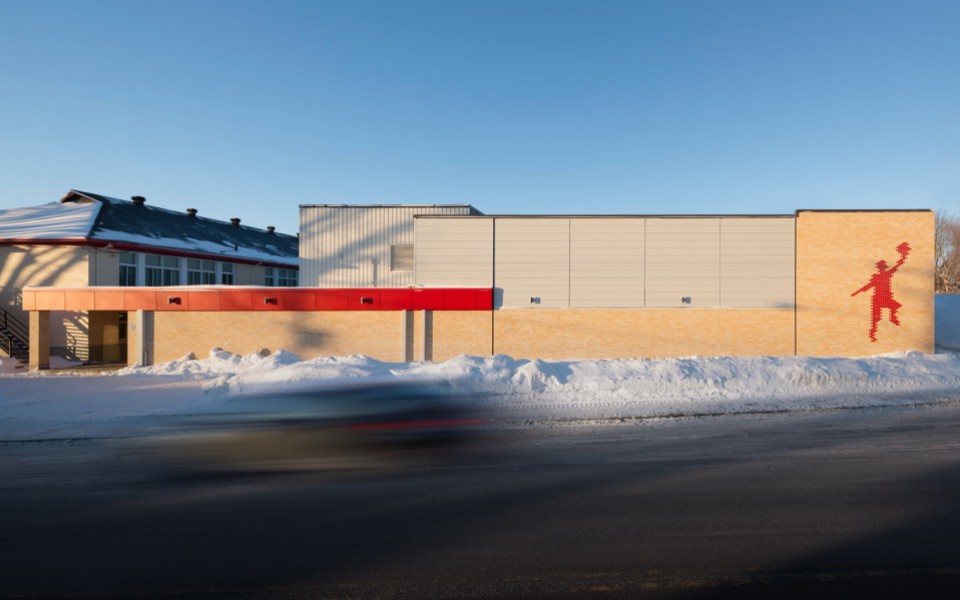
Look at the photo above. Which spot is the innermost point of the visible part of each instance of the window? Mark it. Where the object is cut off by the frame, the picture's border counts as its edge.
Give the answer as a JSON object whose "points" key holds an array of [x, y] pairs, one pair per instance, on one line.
{"points": [[401, 257], [288, 277], [280, 277], [226, 273], [128, 269], [162, 270], [201, 272]]}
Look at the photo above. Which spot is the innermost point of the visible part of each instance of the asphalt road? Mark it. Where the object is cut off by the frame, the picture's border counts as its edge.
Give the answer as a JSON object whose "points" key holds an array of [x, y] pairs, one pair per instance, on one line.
{"points": [[863, 502]]}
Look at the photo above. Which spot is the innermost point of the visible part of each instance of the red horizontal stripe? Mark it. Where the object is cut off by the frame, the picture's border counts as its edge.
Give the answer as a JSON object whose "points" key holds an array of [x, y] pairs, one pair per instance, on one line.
{"points": [[202, 298]]}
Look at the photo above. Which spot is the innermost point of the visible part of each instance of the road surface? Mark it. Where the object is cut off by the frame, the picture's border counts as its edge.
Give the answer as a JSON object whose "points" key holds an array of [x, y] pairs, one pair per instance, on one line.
{"points": [[780, 505]]}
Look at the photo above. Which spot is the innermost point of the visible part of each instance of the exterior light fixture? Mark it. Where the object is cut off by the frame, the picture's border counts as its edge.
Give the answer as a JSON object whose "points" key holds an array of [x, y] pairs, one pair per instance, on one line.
{"points": [[173, 299]]}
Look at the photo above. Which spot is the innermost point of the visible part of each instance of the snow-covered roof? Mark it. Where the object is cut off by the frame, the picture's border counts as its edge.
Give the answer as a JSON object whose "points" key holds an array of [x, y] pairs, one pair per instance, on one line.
{"points": [[86, 216], [49, 221]]}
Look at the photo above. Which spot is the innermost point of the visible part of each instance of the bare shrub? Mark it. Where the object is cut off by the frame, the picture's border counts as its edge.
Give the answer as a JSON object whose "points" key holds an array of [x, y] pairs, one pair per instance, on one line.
{"points": [[947, 253]]}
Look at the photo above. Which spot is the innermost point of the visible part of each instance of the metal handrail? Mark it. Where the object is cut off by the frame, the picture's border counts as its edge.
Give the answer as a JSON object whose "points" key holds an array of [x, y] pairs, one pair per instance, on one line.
{"points": [[15, 326]]}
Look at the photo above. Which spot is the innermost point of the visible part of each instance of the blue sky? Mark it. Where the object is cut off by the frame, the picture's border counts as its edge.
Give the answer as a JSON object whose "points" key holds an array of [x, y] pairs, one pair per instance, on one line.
{"points": [[249, 109]]}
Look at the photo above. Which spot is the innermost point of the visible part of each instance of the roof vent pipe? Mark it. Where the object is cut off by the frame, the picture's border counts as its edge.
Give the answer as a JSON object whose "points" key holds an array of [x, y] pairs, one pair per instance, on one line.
{"points": [[138, 200], [270, 228], [235, 221], [192, 212]]}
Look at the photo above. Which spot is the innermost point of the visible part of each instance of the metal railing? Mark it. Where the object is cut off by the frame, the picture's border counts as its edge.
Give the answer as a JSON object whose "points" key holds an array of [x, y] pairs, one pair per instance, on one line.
{"points": [[14, 335]]}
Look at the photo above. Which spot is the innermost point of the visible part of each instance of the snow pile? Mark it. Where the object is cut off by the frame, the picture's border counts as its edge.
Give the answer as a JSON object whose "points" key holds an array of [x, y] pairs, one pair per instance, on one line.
{"points": [[604, 389], [220, 366], [948, 321], [76, 404], [58, 362], [11, 365]]}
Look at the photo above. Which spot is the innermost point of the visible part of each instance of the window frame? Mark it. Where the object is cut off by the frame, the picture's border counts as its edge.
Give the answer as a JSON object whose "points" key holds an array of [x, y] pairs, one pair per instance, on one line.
{"points": [[166, 271], [227, 273], [127, 271], [280, 277], [201, 271]]}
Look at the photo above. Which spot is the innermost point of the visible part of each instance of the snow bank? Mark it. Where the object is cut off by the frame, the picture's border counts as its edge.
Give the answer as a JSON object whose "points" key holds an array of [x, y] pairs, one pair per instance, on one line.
{"points": [[58, 362], [72, 404], [10, 365], [603, 389], [220, 364], [948, 321]]}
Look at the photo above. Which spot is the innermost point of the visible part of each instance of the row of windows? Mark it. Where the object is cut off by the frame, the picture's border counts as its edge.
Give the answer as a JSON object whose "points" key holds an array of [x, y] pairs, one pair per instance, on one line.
{"points": [[280, 277], [165, 270]]}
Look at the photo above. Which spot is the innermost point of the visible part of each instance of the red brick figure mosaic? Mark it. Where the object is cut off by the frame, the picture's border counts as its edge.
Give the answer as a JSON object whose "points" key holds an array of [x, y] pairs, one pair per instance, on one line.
{"points": [[882, 292]]}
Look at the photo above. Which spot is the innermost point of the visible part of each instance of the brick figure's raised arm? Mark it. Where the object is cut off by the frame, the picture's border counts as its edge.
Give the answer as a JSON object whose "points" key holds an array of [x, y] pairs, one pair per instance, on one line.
{"points": [[904, 250]]}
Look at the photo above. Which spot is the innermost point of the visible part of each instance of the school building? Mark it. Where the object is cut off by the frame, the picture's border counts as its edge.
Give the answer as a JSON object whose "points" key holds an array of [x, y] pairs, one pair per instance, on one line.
{"points": [[87, 240], [429, 282]]}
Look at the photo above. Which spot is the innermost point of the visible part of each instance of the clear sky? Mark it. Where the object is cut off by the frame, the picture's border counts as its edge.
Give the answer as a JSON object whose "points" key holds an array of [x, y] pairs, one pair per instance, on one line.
{"points": [[249, 109]]}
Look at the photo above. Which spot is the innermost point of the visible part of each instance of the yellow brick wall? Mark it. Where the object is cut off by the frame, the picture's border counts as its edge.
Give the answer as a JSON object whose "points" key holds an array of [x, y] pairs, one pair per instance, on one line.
{"points": [[39, 339], [462, 332], [451, 333], [542, 333], [837, 253], [133, 335], [642, 333], [308, 334], [323, 333]]}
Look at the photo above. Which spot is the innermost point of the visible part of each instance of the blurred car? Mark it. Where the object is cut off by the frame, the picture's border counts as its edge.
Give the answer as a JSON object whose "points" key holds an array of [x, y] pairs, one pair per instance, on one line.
{"points": [[357, 425]]}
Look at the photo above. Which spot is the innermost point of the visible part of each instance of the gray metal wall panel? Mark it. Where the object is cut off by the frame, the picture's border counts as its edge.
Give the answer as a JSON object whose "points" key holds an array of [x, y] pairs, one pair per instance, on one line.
{"points": [[566, 261], [349, 246], [532, 261], [757, 262], [682, 261], [607, 262], [454, 252]]}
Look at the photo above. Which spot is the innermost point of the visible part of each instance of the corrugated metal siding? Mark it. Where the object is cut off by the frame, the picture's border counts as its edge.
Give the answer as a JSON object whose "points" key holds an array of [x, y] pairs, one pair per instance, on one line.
{"points": [[562, 261], [757, 262], [607, 262], [454, 252], [683, 261], [349, 246], [532, 261]]}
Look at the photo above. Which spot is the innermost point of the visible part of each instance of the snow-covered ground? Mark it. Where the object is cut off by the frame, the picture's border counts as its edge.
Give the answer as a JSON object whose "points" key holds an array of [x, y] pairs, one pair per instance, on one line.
{"points": [[57, 405]]}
